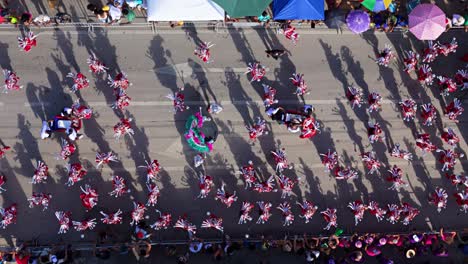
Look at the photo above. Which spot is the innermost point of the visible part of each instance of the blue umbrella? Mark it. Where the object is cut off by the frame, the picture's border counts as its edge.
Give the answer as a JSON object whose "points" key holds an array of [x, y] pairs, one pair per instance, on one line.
{"points": [[358, 21]]}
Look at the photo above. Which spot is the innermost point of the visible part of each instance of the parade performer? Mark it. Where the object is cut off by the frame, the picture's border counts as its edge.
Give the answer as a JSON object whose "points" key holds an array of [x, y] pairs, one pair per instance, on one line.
{"points": [[454, 109], [408, 213], [2, 182], [345, 173], [198, 160], [76, 173], [119, 186], [447, 85], [269, 96], [64, 221], [120, 82], [153, 194], [256, 70], [178, 101], [393, 213], [245, 211], [282, 163], [358, 209], [329, 160], [113, 218], [87, 224], [249, 175], [329, 215], [308, 210], [203, 52], [462, 200], [428, 114], [80, 111], [448, 158], [289, 32], [213, 222], [68, 149], [194, 134], [309, 128], [371, 162], [408, 107], [385, 56], [89, 197], [138, 213], [396, 178], [105, 158], [430, 53], [458, 180], [214, 108], [447, 48], [205, 184], [3, 150], [375, 102], [11, 81], [439, 199], [95, 65], [425, 75], [298, 81], [288, 215], [425, 144], [27, 42], [265, 186], [184, 224], [79, 81], [152, 170], [286, 185], [257, 130], [354, 96], [41, 173], [375, 210], [38, 199], [461, 79], [397, 152], [264, 211], [122, 100], [8, 216], [123, 128], [224, 197], [410, 60], [374, 132], [163, 222]]}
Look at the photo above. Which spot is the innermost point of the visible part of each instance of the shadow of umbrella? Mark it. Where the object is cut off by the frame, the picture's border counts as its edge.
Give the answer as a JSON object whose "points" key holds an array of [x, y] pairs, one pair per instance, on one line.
{"points": [[336, 19]]}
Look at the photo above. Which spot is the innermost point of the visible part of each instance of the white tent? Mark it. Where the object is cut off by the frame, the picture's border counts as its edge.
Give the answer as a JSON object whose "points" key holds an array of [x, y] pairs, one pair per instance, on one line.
{"points": [[184, 10]]}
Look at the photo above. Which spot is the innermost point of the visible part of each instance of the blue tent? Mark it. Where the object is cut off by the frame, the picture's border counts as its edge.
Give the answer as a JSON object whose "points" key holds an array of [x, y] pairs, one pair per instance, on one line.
{"points": [[298, 9]]}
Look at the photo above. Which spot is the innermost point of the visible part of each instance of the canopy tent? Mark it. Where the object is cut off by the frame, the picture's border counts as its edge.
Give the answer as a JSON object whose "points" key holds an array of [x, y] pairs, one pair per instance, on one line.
{"points": [[298, 9], [243, 8], [184, 10]]}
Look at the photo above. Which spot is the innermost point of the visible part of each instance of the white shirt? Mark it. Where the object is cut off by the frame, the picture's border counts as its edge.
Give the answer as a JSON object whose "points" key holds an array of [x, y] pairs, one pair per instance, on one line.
{"points": [[115, 12]]}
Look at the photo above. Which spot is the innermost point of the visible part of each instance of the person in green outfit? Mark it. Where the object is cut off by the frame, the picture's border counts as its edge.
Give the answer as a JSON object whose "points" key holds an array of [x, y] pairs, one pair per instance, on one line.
{"points": [[129, 15]]}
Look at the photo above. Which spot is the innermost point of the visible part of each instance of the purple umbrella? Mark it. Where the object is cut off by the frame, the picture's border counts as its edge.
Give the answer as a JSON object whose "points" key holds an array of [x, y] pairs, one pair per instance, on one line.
{"points": [[358, 21], [427, 22]]}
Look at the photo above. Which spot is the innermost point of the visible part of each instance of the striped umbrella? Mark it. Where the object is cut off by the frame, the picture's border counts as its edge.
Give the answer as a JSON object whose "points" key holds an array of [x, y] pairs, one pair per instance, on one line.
{"points": [[376, 5]]}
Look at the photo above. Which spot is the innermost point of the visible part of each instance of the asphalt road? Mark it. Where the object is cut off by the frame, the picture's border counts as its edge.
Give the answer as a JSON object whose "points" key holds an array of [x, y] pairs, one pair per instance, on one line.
{"points": [[157, 65]]}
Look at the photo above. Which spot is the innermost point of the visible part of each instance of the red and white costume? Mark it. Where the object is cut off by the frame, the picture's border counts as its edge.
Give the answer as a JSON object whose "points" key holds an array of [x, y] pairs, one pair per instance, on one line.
{"points": [[425, 144], [397, 152], [68, 149], [281, 161], [374, 132], [264, 211], [408, 213], [428, 114], [458, 180], [80, 111], [163, 222], [450, 137], [358, 209], [309, 128], [64, 221], [298, 81], [375, 102], [385, 56], [447, 85], [3, 150], [8, 215], [120, 82], [453, 110], [257, 130], [105, 158], [354, 96], [249, 175], [371, 162], [375, 210], [308, 210], [330, 160], [245, 211], [84, 225], [11, 81], [461, 79], [448, 158], [329, 215], [27, 42], [178, 101], [410, 60], [265, 186], [345, 173], [213, 222], [153, 194], [286, 185], [122, 100], [41, 173], [112, 218], [79, 81], [425, 75], [430, 53], [184, 224], [89, 197], [396, 178], [205, 184], [256, 70], [123, 128], [76, 173], [408, 108], [203, 52], [40, 199], [288, 215], [2, 182], [224, 197], [119, 186], [393, 213], [269, 95], [462, 200], [289, 32], [138, 213], [447, 48], [439, 199], [152, 171], [95, 65]]}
